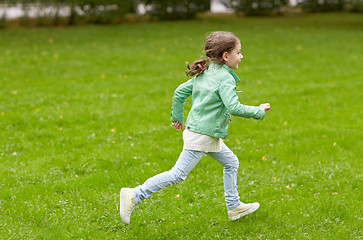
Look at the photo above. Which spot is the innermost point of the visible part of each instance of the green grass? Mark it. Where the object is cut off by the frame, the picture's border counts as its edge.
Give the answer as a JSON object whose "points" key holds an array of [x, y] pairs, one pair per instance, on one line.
{"points": [[85, 111]]}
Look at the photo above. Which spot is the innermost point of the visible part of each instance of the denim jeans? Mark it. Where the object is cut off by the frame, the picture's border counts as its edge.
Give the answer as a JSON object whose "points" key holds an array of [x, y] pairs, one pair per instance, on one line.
{"points": [[186, 162]]}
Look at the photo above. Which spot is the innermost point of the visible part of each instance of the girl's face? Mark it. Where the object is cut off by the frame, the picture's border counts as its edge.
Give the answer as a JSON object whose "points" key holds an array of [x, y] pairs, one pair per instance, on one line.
{"points": [[232, 58]]}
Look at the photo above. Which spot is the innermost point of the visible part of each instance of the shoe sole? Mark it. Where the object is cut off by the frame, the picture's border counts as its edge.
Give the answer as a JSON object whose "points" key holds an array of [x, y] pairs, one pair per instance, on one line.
{"points": [[122, 192], [245, 213]]}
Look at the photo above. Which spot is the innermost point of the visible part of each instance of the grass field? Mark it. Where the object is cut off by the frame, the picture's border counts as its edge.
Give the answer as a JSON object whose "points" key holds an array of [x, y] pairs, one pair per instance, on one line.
{"points": [[85, 111]]}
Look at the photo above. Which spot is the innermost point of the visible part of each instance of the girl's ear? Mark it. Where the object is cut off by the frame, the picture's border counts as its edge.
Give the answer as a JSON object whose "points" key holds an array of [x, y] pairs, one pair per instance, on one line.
{"points": [[225, 56]]}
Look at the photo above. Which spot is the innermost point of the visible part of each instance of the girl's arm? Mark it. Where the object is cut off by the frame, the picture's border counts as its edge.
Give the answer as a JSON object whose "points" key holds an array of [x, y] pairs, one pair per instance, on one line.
{"points": [[181, 93], [229, 97]]}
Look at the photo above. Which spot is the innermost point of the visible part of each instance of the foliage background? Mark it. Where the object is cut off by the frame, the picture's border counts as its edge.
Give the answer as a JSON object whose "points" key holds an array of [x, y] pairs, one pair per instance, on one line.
{"points": [[49, 12]]}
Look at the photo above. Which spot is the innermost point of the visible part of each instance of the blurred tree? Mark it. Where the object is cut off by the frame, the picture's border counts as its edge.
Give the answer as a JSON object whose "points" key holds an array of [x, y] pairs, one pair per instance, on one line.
{"points": [[101, 11], [323, 5], [46, 12], [4, 5], [355, 5], [259, 7], [176, 9]]}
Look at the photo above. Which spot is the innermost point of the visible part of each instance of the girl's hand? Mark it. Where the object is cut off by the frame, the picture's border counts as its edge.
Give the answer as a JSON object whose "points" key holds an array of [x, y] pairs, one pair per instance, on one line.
{"points": [[178, 125], [265, 106]]}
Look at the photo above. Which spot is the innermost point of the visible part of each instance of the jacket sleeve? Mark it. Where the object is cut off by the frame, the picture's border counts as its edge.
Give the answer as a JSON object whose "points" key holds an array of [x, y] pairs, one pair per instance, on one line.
{"points": [[180, 94], [227, 92]]}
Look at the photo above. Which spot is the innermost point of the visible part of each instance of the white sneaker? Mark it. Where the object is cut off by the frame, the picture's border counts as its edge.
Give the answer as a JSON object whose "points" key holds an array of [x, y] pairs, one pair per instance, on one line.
{"points": [[127, 204], [242, 210]]}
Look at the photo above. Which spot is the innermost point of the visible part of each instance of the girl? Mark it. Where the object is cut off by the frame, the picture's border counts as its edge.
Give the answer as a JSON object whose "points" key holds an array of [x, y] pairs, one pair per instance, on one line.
{"points": [[214, 98]]}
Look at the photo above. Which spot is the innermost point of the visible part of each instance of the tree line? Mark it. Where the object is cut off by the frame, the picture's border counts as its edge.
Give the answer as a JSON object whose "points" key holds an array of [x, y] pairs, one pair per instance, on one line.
{"points": [[51, 12]]}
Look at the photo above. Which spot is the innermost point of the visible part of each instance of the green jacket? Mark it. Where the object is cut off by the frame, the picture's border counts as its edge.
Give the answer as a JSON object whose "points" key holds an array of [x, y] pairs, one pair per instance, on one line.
{"points": [[214, 98]]}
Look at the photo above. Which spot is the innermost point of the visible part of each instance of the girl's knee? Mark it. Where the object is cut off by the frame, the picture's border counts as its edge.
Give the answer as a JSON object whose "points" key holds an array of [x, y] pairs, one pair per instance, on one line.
{"points": [[177, 176], [233, 163]]}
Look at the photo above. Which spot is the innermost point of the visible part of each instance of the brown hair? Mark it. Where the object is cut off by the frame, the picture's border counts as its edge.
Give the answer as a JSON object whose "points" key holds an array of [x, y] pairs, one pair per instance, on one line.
{"points": [[215, 45]]}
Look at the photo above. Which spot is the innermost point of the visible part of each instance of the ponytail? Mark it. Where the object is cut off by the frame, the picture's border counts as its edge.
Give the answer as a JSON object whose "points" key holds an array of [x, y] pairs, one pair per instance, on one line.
{"points": [[198, 67]]}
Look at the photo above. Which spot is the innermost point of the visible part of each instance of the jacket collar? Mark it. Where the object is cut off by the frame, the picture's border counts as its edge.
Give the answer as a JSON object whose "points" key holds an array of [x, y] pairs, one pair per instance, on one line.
{"points": [[232, 73]]}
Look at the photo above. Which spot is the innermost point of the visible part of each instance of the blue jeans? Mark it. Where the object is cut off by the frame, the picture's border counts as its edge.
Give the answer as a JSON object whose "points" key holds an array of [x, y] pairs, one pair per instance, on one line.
{"points": [[186, 162]]}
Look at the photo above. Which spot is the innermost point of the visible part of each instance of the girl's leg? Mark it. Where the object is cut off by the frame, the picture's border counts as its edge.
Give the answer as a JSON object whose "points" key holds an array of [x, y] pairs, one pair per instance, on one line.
{"points": [[186, 162], [230, 163]]}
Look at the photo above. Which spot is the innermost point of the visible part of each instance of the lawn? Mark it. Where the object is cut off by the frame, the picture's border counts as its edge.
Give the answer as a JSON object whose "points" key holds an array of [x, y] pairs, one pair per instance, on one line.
{"points": [[85, 111]]}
